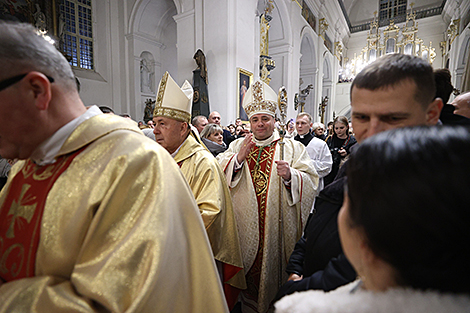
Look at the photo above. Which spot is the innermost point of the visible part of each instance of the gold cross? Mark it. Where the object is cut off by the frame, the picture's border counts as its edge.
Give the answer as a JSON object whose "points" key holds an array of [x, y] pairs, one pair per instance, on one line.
{"points": [[18, 209]]}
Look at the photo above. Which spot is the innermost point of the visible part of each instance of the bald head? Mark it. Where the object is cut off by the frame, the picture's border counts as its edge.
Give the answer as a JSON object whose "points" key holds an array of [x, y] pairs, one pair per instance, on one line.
{"points": [[214, 118], [462, 105]]}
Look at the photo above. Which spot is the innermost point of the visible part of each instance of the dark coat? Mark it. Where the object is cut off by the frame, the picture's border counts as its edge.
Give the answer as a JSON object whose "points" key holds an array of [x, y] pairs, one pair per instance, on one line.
{"points": [[318, 255]]}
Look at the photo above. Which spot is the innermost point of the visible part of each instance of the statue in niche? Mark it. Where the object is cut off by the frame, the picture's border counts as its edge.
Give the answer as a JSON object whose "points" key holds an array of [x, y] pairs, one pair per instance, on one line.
{"points": [[200, 82], [146, 74]]}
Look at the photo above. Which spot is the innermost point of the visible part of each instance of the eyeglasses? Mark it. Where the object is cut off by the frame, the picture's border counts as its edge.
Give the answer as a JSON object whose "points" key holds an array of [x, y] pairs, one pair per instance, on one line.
{"points": [[13, 80]]}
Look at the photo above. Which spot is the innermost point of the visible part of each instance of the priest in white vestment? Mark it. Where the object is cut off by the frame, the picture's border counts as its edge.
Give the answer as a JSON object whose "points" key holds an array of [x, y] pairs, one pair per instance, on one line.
{"points": [[261, 184]]}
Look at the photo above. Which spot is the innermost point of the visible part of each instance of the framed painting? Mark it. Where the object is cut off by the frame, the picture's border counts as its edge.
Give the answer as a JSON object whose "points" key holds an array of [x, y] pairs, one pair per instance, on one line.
{"points": [[244, 79]]}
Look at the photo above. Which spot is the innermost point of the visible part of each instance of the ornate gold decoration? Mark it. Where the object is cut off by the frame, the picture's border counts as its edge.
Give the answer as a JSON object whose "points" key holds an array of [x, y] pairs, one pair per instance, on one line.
{"points": [[338, 50], [323, 24], [161, 90], [453, 30], [172, 113], [19, 209], [260, 104]]}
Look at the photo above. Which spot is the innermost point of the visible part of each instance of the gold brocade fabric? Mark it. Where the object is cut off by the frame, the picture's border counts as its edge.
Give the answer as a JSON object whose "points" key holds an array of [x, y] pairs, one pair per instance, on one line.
{"points": [[207, 181], [296, 206], [120, 232]]}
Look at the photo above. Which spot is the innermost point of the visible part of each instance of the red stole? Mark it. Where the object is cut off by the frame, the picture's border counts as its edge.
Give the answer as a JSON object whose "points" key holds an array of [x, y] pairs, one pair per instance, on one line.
{"points": [[21, 215], [260, 161]]}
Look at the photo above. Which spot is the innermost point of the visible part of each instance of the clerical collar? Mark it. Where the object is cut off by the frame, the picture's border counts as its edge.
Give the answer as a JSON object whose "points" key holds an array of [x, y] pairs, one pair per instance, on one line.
{"points": [[46, 152], [267, 141]]}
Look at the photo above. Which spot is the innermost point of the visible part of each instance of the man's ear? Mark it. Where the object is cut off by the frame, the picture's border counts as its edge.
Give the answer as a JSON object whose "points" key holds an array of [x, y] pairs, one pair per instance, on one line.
{"points": [[41, 89], [434, 111]]}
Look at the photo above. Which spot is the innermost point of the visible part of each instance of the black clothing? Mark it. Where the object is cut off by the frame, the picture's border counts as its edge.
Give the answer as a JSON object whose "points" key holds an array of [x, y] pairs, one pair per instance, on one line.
{"points": [[335, 144], [304, 139], [318, 255], [322, 137], [448, 117], [228, 138]]}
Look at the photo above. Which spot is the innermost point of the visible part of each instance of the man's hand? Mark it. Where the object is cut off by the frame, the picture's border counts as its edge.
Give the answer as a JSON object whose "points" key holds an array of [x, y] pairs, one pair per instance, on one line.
{"points": [[342, 152], [283, 170], [295, 277], [246, 147]]}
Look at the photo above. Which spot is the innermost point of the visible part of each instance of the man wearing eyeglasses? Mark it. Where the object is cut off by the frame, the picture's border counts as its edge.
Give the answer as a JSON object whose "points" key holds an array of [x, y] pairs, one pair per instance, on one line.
{"points": [[91, 214]]}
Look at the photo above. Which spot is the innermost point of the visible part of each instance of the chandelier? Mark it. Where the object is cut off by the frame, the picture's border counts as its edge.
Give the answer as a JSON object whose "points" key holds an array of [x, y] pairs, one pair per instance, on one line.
{"points": [[392, 39]]}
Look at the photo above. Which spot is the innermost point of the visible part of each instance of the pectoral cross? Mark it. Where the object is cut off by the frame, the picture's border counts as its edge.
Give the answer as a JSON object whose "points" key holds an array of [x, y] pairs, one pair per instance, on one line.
{"points": [[18, 209]]}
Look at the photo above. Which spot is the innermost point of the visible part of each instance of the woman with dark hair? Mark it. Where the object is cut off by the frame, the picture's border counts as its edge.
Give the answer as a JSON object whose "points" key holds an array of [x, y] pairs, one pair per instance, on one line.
{"points": [[340, 144], [402, 229], [213, 137]]}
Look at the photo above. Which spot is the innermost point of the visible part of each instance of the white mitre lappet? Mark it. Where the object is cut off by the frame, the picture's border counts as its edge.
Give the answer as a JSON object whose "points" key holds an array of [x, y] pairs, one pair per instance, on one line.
{"points": [[260, 98], [172, 101]]}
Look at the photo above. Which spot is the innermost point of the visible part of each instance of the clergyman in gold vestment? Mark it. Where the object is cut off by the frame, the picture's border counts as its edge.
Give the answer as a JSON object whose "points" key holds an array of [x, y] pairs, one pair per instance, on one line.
{"points": [[96, 217], [172, 130], [255, 175]]}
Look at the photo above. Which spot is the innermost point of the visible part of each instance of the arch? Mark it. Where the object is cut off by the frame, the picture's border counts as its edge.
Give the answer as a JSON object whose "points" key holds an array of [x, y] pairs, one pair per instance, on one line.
{"points": [[150, 8], [308, 70], [280, 31], [327, 84], [464, 52]]}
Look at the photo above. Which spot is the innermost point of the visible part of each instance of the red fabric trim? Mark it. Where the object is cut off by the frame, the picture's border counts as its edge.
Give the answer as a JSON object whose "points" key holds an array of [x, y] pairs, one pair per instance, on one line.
{"points": [[21, 216], [231, 293]]}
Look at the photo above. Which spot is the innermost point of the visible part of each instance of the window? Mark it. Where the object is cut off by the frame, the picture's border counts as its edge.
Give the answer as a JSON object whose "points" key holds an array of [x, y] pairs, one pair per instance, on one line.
{"points": [[77, 36], [390, 9]]}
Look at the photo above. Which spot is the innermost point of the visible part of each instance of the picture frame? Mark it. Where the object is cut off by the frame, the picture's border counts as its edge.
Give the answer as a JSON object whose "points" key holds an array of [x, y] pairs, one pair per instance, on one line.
{"points": [[244, 81]]}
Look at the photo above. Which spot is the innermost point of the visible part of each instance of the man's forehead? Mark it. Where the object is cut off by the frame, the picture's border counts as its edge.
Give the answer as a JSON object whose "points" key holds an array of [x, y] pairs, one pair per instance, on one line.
{"points": [[303, 118], [163, 118], [261, 115]]}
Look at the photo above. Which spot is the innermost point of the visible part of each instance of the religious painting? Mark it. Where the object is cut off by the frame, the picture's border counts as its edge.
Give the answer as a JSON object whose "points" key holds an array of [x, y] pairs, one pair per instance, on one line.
{"points": [[328, 43], [39, 13], [17, 10], [307, 14], [245, 79]]}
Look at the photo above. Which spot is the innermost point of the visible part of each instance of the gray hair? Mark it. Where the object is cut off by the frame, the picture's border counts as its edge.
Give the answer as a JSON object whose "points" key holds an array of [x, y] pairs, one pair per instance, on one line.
{"points": [[211, 129], [317, 125], [22, 50]]}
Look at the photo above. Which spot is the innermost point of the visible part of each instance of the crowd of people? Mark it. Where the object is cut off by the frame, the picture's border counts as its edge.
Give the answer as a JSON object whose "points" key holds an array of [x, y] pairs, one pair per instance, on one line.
{"points": [[181, 214]]}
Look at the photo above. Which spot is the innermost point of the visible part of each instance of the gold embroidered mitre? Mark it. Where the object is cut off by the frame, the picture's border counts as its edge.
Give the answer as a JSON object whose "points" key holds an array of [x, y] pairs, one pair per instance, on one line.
{"points": [[260, 98], [172, 101]]}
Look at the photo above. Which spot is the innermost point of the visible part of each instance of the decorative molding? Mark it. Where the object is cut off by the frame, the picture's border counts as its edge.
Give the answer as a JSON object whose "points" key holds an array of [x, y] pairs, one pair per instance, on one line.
{"points": [[146, 39]]}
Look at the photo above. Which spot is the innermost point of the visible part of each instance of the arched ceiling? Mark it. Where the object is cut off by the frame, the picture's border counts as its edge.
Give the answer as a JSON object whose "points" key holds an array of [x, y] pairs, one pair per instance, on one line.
{"points": [[362, 11]]}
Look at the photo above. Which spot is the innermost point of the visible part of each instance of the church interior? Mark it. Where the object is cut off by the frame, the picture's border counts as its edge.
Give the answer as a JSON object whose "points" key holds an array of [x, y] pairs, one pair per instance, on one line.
{"points": [[119, 50]]}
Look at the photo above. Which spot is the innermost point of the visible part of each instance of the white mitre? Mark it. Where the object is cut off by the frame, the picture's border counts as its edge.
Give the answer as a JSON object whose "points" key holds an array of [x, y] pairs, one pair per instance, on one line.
{"points": [[260, 98], [172, 101]]}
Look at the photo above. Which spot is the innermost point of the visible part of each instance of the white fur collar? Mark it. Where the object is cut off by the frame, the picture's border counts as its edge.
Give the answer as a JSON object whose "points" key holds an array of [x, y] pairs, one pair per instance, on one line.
{"points": [[396, 300]]}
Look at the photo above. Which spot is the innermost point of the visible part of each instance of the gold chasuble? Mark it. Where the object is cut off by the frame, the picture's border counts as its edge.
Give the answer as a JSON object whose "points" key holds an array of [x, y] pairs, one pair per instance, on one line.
{"points": [[111, 226], [255, 194], [207, 181]]}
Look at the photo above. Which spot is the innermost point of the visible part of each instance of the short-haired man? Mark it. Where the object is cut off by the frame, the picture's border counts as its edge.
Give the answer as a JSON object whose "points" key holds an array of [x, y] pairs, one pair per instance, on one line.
{"points": [[257, 176], [317, 149], [238, 122], [202, 172], [215, 118], [94, 214], [394, 91], [200, 121], [462, 105]]}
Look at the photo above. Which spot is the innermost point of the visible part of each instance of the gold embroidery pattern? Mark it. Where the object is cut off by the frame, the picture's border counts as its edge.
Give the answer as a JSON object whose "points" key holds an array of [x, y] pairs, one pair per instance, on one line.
{"points": [[161, 90], [175, 114], [15, 268], [259, 104], [19, 209]]}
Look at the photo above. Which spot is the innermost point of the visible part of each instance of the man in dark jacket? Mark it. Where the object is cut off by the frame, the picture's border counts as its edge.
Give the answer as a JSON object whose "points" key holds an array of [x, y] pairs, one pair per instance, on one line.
{"points": [[392, 92]]}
